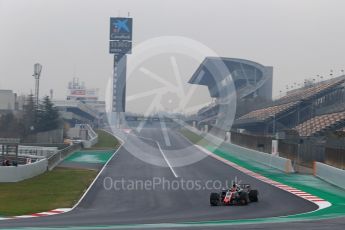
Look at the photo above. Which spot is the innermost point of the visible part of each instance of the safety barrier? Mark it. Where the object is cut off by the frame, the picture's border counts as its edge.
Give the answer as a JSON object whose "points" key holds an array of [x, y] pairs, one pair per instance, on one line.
{"points": [[270, 160], [22, 172], [42, 164], [330, 174], [277, 162]]}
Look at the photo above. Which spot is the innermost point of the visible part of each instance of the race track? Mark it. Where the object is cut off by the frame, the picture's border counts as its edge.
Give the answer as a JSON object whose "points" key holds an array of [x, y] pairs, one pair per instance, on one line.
{"points": [[103, 206]]}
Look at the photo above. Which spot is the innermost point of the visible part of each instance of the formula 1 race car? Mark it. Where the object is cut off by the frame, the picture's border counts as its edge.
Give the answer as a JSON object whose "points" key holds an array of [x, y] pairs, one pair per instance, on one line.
{"points": [[239, 194]]}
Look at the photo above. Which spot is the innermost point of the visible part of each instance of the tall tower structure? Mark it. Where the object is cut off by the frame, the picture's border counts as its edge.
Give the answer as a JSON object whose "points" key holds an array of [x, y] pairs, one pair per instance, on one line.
{"points": [[37, 75], [120, 45]]}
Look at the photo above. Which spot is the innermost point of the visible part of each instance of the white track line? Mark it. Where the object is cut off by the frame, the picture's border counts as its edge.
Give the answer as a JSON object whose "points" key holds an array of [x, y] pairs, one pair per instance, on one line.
{"points": [[160, 149], [166, 160], [100, 172], [165, 132]]}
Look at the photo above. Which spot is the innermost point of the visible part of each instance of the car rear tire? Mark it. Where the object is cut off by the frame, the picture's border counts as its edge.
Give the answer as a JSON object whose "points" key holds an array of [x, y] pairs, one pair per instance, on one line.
{"points": [[244, 198], [253, 195], [214, 199]]}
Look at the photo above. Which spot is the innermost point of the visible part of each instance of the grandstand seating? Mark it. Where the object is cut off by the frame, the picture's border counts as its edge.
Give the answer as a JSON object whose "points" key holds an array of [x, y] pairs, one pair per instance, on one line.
{"points": [[319, 124], [265, 113], [307, 93], [290, 100]]}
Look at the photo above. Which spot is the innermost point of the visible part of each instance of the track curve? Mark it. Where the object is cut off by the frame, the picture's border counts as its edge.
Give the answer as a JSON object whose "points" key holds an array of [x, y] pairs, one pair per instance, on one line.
{"points": [[141, 206]]}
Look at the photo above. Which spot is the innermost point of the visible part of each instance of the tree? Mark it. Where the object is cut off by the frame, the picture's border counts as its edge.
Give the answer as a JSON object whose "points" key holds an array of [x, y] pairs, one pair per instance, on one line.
{"points": [[48, 117], [29, 115], [10, 126]]}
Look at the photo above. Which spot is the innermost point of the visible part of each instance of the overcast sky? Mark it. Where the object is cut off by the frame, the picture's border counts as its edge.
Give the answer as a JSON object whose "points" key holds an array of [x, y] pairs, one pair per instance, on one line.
{"points": [[299, 38]]}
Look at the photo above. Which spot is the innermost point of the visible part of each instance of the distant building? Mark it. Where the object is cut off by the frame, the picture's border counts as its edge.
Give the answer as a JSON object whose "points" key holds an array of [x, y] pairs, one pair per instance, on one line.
{"points": [[77, 112], [7, 100], [78, 92], [82, 105], [21, 101]]}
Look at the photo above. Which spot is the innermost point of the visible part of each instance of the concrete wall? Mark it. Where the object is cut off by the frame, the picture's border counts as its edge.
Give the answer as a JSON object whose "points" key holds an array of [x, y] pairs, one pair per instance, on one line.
{"points": [[270, 160], [330, 174], [22, 172], [276, 162]]}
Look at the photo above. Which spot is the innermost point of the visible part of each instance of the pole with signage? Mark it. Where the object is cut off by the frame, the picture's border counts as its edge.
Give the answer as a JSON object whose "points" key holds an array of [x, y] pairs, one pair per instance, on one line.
{"points": [[120, 45]]}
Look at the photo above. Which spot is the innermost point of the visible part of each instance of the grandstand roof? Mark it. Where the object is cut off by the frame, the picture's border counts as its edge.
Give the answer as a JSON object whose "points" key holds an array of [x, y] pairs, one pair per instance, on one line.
{"points": [[247, 76], [320, 123]]}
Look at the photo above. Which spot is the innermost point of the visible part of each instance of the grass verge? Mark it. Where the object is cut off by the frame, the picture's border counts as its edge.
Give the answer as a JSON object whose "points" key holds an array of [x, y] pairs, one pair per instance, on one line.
{"points": [[106, 141], [192, 137], [60, 188]]}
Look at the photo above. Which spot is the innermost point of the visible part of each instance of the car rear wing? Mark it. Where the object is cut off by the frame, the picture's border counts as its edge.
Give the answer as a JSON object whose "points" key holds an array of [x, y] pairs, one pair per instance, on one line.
{"points": [[243, 186]]}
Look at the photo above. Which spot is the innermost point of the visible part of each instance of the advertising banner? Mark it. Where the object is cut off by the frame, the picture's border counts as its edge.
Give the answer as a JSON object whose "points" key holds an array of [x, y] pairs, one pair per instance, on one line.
{"points": [[121, 28]]}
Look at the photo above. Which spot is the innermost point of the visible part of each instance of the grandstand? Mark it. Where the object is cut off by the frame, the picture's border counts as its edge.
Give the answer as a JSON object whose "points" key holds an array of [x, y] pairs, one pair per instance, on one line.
{"points": [[312, 91], [265, 113], [309, 122], [75, 112], [252, 85], [320, 124], [297, 109]]}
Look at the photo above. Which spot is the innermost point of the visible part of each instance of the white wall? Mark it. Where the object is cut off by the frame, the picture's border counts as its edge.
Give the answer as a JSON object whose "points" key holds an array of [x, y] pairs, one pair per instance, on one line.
{"points": [[330, 174], [22, 172], [276, 162]]}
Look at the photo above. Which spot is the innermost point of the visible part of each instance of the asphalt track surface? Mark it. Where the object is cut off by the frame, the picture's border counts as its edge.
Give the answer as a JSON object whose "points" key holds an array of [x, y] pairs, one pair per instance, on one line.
{"points": [[160, 205]]}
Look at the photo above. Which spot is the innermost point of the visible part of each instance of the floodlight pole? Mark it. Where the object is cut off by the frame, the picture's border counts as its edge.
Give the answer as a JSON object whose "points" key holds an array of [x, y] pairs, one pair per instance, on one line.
{"points": [[37, 86], [36, 75]]}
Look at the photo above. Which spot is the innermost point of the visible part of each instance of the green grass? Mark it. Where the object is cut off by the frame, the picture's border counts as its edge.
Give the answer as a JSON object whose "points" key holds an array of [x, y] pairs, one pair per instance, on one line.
{"points": [[192, 137], [60, 188], [106, 141]]}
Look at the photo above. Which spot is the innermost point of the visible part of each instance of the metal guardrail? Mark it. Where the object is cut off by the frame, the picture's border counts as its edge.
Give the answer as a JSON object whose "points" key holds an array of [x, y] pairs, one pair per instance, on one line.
{"points": [[37, 150], [55, 159], [9, 140]]}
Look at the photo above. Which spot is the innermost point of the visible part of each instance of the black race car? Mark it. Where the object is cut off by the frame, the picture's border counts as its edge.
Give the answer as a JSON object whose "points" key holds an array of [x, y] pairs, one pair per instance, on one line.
{"points": [[239, 194]]}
